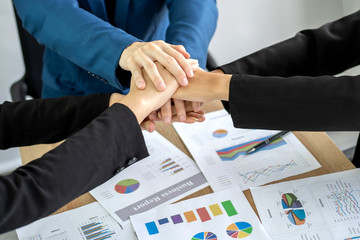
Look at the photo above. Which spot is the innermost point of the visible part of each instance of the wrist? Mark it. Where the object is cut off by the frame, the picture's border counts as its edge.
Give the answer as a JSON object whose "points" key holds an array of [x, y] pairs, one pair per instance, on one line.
{"points": [[221, 86], [138, 107]]}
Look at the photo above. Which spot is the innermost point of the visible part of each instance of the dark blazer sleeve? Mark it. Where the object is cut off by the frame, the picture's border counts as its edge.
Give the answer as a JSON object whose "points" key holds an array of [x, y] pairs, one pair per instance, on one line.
{"points": [[294, 87], [47, 120], [82, 162]]}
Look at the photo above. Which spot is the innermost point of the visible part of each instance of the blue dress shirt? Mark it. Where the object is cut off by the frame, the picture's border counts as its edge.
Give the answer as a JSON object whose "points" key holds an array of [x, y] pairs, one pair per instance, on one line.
{"points": [[83, 49]]}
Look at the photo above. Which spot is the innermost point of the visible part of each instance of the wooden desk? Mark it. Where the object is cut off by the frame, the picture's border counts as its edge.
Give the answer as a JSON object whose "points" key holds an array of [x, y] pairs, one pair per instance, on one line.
{"points": [[318, 143]]}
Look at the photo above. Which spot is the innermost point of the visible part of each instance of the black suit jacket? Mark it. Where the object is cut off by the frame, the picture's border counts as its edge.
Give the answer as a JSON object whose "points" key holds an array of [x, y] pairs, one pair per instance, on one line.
{"points": [[290, 85], [86, 159]]}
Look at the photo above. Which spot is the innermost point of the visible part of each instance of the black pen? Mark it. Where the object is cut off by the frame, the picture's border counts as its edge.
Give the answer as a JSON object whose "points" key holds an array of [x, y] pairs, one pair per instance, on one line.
{"points": [[266, 142]]}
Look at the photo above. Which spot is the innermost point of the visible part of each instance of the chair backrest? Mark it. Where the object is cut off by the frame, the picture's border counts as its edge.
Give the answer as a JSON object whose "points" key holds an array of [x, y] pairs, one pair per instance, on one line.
{"points": [[33, 55]]}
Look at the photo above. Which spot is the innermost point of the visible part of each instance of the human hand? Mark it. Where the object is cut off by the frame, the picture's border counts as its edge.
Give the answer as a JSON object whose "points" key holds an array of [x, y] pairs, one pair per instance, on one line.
{"points": [[144, 101], [144, 55], [168, 109]]}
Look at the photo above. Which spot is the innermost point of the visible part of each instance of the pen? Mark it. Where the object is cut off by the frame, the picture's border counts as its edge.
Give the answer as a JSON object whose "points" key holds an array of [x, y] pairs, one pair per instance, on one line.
{"points": [[266, 142]]}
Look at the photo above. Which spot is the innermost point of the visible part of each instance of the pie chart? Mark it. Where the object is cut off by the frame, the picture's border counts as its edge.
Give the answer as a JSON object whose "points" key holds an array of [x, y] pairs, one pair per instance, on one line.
{"points": [[127, 186], [239, 230], [204, 236], [220, 133]]}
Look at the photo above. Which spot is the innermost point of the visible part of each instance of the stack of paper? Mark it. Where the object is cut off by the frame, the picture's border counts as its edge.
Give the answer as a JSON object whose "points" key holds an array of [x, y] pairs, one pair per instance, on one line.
{"points": [[325, 207], [166, 176], [219, 150], [223, 215]]}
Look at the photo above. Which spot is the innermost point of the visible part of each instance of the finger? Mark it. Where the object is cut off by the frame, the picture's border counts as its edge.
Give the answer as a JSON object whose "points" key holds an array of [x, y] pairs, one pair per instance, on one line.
{"points": [[151, 70], [166, 112], [195, 106], [182, 50], [136, 73], [153, 116], [191, 117], [194, 63], [172, 65], [180, 110], [180, 59], [148, 125]]}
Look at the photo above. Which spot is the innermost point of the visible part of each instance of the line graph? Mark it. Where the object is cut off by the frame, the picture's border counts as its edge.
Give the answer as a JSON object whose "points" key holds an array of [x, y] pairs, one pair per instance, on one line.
{"points": [[345, 202], [254, 175], [231, 153]]}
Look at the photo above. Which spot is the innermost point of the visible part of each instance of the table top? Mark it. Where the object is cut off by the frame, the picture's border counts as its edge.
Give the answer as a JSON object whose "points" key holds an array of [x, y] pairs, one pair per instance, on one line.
{"points": [[318, 143]]}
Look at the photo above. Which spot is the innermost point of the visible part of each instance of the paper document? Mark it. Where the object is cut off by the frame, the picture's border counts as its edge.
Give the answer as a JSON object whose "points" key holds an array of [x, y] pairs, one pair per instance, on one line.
{"points": [[90, 222], [167, 175], [326, 207], [219, 150], [222, 215]]}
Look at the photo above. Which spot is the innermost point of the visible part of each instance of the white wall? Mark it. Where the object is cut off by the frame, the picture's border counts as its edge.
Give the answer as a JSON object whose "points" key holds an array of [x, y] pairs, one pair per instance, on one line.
{"points": [[245, 26]]}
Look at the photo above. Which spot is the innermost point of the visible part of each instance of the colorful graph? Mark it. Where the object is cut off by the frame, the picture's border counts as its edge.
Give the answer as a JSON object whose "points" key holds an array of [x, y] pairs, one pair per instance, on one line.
{"points": [[239, 230], [293, 206], [231, 153], [202, 214], [127, 186], [289, 200], [170, 166], [220, 133], [204, 236], [358, 237], [345, 202], [296, 217], [254, 175], [96, 231]]}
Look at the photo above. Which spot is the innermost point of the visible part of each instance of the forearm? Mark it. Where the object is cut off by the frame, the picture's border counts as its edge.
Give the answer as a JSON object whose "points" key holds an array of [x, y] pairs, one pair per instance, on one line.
{"points": [[298, 103], [82, 162], [47, 120], [205, 87], [192, 24], [76, 34]]}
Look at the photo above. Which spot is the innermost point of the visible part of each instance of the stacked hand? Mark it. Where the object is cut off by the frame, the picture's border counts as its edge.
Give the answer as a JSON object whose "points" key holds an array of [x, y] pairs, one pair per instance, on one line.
{"points": [[143, 60]]}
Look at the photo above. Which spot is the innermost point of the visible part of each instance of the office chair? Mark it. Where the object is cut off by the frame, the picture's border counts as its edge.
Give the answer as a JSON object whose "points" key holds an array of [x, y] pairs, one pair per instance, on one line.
{"points": [[30, 84]]}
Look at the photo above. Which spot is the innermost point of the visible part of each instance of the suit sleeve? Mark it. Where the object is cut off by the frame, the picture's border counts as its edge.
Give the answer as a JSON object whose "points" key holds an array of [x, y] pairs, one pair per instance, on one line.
{"points": [[67, 29], [81, 163], [304, 95], [192, 24], [47, 120]]}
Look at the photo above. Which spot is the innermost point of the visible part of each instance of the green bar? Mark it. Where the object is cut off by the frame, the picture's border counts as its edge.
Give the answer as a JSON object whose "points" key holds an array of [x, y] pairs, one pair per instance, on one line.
{"points": [[229, 208]]}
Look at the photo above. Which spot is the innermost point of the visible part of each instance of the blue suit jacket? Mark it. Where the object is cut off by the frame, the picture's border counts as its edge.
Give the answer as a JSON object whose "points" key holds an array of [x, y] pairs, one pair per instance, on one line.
{"points": [[83, 49]]}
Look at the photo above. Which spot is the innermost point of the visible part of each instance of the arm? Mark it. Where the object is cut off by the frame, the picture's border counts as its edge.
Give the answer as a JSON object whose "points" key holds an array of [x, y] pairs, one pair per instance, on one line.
{"points": [[192, 24], [83, 161], [66, 28], [327, 50], [47, 120], [298, 103]]}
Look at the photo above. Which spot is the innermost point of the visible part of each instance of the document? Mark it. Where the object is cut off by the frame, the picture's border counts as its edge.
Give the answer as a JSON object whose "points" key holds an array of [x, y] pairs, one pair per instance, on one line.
{"points": [[326, 207], [89, 222], [223, 215], [166, 176], [220, 151]]}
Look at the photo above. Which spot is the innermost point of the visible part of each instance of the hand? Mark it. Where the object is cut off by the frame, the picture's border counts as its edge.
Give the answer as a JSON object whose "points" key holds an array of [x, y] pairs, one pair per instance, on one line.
{"points": [[166, 109], [144, 55], [144, 101]]}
